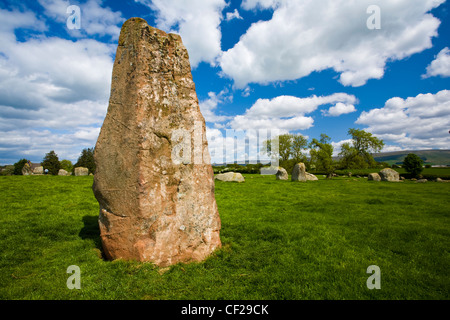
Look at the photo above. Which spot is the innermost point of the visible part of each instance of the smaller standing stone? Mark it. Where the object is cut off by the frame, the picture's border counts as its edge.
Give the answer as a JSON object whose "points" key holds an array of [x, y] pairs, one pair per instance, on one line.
{"points": [[81, 171], [282, 174], [299, 172], [374, 177], [38, 170], [388, 174], [230, 176], [63, 172], [26, 170], [311, 177]]}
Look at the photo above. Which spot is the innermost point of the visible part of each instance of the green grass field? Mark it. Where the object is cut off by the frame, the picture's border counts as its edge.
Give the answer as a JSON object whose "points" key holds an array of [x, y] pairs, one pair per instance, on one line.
{"points": [[281, 240]]}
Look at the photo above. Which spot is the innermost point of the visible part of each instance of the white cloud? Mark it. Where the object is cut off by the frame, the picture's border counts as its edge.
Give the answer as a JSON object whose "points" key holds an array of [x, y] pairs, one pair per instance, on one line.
{"points": [[416, 122], [14, 19], [390, 148], [53, 92], [294, 123], [339, 109], [208, 106], [233, 15], [307, 36], [440, 66], [33, 144], [246, 92], [288, 106], [286, 112], [95, 18], [337, 147], [259, 4], [198, 23]]}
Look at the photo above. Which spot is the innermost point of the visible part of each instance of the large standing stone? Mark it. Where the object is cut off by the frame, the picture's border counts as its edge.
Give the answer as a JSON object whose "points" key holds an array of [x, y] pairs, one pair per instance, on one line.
{"points": [[299, 172], [388, 174], [81, 171], [282, 174], [156, 197]]}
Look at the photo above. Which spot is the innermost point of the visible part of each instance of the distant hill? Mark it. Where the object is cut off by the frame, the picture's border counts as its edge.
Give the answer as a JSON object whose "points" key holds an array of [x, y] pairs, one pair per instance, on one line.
{"points": [[433, 157]]}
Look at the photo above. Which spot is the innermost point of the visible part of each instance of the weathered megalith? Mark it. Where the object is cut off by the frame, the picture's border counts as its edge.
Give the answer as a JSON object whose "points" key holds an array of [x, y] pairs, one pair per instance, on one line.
{"points": [[81, 171], [282, 174], [26, 170], [153, 179], [299, 172], [38, 170], [388, 174], [63, 172]]}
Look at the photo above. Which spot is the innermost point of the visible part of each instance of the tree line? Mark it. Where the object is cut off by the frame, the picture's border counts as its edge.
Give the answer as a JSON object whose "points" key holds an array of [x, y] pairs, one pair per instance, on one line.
{"points": [[356, 154], [52, 163]]}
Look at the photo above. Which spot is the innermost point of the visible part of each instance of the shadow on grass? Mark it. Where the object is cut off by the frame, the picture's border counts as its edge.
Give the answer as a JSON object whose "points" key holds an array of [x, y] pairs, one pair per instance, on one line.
{"points": [[91, 231]]}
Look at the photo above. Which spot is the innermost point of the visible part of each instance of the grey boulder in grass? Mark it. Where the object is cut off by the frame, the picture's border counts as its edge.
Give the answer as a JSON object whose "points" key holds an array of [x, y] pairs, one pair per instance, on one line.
{"points": [[389, 174], [230, 177]]}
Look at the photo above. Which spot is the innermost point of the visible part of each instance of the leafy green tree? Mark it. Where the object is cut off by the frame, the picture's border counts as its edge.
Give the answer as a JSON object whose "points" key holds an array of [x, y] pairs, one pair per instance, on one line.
{"points": [[413, 164], [290, 150], [86, 159], [18, 166], [66, 165], [321, 152], [358, 154], [7, 170], [51, 162], [290, 146], [299, 144], [350, 158]]}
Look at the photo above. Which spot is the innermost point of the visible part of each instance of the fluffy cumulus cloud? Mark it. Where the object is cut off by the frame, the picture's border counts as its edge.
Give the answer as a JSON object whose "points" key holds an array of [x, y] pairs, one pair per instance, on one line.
{"points": [[53, 92], [208, 107], [440, 66], [307, 36], [286, 112], [339, 109], [413, 123], [198, 23], [233, 15]]}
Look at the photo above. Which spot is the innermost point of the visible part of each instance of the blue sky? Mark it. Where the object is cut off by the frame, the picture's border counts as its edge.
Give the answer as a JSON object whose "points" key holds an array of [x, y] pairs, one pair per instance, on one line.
{"points": [[299, 66]]}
